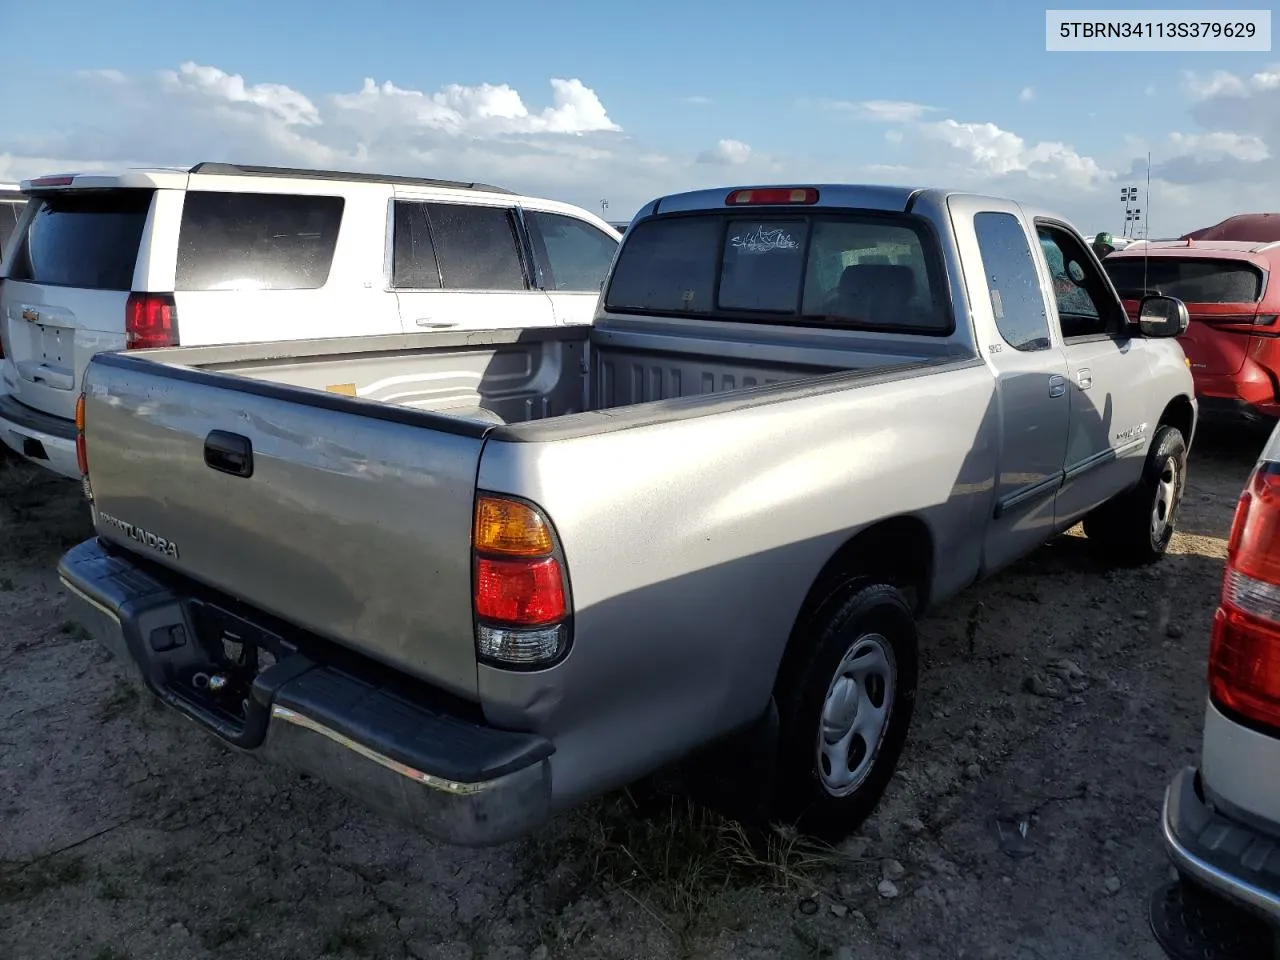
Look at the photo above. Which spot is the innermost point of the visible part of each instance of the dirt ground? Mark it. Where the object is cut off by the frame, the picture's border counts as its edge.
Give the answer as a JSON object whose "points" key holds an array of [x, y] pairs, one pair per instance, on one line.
{"points": [[1057, 701]]}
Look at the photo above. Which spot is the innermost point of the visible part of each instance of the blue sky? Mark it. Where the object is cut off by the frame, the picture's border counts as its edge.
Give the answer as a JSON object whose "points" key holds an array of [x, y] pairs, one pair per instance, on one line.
{"points": [[672, 80]]}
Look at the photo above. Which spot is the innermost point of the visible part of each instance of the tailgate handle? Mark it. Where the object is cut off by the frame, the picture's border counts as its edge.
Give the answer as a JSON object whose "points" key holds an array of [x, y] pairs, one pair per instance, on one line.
{"points": [[229, 453]]}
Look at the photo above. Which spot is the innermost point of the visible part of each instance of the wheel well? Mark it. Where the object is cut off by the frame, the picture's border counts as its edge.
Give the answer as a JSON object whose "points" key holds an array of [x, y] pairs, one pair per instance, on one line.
{"points": [[1179, 414], [898, 550]]}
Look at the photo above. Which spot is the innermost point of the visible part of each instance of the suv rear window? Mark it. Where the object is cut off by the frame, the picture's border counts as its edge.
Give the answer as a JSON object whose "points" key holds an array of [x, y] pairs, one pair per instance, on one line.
{"points": [[83, 239], [256, 241], [1190, 279], [857, 270]]}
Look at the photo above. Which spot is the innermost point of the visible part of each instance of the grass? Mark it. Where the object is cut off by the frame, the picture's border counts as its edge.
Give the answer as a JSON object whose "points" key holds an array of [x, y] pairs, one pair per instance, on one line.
{"points": [[688, 867], [124, 696]]}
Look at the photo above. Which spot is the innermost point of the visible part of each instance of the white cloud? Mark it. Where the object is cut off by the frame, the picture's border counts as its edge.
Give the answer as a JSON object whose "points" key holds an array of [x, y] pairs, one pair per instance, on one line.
{"points": [[1236, 146], [880, 111], [1027, 95], [280, 101], [698, 101], [727, 153], [996, 152]]}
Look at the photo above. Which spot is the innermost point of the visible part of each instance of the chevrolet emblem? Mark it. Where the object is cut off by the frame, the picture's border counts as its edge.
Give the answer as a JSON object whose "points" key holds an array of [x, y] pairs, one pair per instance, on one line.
{"points": [[29, 314]]}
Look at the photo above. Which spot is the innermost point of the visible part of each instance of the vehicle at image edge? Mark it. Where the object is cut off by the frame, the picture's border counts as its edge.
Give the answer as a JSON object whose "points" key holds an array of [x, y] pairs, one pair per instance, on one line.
{"points": [[1233, 341], [501, 573], [1221, 820], [226, 253]]}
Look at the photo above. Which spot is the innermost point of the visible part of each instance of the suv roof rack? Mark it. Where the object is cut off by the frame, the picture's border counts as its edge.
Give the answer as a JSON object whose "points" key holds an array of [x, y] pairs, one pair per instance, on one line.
{"points": [[248, 170]]}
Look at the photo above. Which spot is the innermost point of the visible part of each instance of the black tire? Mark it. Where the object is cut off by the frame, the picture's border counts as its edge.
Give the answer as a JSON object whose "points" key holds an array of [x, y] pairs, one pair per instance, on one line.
{"points": [[1125, 528], [877, 619]]}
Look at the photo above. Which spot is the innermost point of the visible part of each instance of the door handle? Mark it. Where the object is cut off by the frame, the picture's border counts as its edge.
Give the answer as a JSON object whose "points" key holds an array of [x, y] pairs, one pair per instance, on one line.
{"points": [[434, 324], [229, 453], [1084, 378], [1057, 386]]}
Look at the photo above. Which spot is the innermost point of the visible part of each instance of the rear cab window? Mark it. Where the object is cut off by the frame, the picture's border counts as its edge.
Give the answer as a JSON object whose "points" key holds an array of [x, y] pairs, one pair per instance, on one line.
{"points": [[256, 241], [83, 238], [829, 268], [1190, 279]]}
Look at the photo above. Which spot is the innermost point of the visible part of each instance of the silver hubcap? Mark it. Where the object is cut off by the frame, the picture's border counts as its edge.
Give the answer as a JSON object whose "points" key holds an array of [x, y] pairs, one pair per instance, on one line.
{"points": [[1166, 499], [855, 714]]}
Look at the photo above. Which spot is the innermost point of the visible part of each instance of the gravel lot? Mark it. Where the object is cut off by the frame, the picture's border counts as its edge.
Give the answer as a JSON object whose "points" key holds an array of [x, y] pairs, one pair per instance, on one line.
{"points": [[1059, 696]]}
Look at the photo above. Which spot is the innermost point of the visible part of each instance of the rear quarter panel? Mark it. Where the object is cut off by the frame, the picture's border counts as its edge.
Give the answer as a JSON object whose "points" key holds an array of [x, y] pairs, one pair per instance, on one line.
{"points": [[692, 542]]}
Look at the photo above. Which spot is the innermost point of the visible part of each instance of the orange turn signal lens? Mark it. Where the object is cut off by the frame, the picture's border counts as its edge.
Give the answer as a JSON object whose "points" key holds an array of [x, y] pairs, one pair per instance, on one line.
{"points": [[80, 412], [510, 528]]}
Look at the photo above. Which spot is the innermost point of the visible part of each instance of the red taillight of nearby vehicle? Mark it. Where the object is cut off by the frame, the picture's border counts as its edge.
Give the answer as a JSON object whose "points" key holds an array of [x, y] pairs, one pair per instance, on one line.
{"points": [[772, 196], [82, 453], [520, 588], [1244, 653], [151, 320]]}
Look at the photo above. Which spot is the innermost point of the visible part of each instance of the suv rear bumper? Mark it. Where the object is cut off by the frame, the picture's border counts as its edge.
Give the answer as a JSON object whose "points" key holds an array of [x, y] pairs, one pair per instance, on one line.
{"points": [[1232, 859], [40, 437], [455, 779]]}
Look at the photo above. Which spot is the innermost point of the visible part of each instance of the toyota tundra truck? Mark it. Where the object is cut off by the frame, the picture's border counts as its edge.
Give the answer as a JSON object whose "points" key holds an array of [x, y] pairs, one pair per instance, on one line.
{"points": [[475, 579]]}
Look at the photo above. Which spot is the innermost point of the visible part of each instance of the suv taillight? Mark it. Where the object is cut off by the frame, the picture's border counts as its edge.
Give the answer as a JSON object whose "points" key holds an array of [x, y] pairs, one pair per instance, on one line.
{"points": [[150, 320], [520, 587], [1244, 652]]}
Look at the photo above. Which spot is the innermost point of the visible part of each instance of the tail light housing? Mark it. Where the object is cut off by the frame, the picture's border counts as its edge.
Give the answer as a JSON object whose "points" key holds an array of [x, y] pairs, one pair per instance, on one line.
{"points": [[82, 453], [1244, 652], [520, 587], [150, 320]]}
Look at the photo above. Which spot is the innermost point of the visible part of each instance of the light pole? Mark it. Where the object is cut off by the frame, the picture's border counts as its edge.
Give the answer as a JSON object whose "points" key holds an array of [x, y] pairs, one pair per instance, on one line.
{"points": [[1132, 214], [604, 208]]}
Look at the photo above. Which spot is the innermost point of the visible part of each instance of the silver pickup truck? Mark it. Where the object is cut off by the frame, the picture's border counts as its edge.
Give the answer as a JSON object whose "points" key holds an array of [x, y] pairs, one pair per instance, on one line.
{"points": [[475, 579]]}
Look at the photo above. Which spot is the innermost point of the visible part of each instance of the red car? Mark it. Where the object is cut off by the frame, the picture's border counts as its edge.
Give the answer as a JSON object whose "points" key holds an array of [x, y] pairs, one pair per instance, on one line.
{"points": [[1233, 342]]}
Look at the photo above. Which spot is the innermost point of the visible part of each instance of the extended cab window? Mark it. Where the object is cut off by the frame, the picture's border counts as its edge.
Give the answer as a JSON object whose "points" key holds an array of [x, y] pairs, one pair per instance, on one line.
{"points": [[868, 271], [256, 241], [1190, 279], [414, 265], [1017, 301], [573, 255], [1085, 306], [83, 239]]}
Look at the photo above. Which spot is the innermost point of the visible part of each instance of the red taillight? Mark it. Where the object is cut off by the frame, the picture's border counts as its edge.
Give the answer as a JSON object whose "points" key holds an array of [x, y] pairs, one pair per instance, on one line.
{"points": [[56, 180], [1244, 651], [520, 589], [151, 320], [82, 452], [520, 592], [772, 196]]}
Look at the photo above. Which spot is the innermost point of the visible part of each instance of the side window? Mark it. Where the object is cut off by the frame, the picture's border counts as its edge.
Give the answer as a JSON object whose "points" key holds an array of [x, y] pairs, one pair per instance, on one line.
{"points": [[256, 241], [1016, 298], [413, 265], [1084, 307], [476, 247], [577, 254]]}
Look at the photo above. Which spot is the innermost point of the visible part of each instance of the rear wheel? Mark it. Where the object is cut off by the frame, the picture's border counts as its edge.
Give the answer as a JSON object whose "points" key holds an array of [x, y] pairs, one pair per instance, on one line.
{"points": [[845, 699], [1136, 526]]}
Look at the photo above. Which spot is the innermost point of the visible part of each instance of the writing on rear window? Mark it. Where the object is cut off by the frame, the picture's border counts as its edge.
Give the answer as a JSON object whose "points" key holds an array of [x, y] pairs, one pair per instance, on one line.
{"points": [[86, 240], [866, 271], [256, 241], [1190, 279]]}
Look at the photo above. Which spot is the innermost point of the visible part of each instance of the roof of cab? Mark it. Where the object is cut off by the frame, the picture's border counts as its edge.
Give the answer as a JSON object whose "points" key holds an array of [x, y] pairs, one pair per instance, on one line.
{"points": [[863, 196]]}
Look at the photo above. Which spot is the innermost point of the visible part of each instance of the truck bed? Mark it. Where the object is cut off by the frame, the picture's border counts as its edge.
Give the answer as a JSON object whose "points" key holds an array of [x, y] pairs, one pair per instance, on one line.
{"points": [[357, 527]]}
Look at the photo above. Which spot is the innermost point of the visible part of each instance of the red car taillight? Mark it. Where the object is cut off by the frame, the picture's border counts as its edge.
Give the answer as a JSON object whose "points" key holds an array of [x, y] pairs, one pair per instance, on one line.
{"points": [[520, 590], [1244, 652], [150, 320], [82, 453]]}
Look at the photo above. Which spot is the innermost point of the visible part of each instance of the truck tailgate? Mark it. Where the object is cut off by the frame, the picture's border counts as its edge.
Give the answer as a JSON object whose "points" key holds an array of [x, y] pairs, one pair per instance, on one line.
{"points": [[354, 521]]}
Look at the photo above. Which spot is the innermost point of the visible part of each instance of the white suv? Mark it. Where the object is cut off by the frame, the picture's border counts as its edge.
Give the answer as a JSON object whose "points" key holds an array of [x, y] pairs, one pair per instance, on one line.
{"points": [[224, 253]]}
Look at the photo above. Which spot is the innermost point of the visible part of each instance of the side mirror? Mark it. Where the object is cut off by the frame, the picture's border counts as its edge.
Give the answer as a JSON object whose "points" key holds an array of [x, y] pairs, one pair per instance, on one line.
{"points": [[1163, 317]]}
